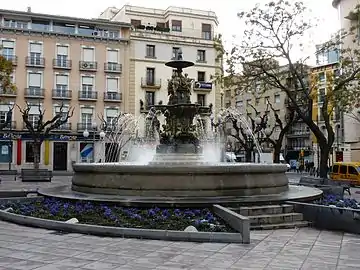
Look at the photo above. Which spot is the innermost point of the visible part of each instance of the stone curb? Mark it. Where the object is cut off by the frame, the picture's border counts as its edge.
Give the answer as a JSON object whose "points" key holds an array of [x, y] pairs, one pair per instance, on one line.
{"points": [[168, 235]]}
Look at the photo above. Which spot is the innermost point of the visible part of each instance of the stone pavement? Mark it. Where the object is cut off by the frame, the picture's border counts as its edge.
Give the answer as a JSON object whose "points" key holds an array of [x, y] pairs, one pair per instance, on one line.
{"points": [[305, 248]]}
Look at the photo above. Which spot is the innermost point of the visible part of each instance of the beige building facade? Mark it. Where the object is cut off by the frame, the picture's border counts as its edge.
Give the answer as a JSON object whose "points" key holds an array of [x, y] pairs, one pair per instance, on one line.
{"points": [[83, 64], [157, 36], [351, 125]]}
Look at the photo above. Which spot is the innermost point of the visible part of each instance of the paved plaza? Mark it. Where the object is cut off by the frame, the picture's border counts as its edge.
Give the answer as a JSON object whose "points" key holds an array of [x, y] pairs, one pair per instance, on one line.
{"points": [[306, 248]]}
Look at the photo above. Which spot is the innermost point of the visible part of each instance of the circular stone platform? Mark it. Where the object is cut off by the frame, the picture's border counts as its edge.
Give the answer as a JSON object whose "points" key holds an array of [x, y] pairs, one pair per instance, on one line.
{"points": [[294, 193], [180, 179]]}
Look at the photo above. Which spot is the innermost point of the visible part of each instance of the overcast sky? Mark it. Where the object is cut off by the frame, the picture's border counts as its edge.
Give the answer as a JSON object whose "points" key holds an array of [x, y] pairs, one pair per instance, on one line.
{"points": [[226, 11]]}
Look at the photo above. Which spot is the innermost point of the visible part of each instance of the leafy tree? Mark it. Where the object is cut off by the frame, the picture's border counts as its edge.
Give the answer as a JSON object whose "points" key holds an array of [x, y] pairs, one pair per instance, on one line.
{"points": [[6, 69], [275, 34], [41, 129]]}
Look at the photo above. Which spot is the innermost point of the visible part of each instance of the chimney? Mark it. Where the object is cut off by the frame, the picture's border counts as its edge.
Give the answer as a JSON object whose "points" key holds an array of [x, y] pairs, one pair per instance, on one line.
{"points": [[28, 9]]}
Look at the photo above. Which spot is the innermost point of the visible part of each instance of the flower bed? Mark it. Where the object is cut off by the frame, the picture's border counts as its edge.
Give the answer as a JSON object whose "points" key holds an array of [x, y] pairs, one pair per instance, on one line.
{"points": [[118, 216], [337, 201]]}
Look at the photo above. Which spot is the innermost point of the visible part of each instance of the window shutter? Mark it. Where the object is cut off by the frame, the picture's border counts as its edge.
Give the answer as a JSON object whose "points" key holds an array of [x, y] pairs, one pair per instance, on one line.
{"points": [[88, 80], [112, 85], [4, 108], [35, 79], [112, 56], [34, 109], [88, 54], [111, 112], [62, 79], [62, 50], [8, 44], [35, 48], [86, 110]]}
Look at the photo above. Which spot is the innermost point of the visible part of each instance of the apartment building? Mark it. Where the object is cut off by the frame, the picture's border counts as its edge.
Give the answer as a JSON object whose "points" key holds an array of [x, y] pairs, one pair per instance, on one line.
{"points": [[257, 103], [327, 66], [156, 38], [80, 63], [349, 18]]}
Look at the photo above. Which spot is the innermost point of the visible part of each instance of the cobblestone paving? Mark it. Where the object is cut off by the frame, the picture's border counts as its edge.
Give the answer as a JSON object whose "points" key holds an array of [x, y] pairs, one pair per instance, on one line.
{"points": [[305, 248]]}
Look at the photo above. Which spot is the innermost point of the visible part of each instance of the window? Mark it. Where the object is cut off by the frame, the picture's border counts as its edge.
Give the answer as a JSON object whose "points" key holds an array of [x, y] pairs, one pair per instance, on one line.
{"points": [[343, 169], [4, 109], [201, 76], [112, 56], [65, 109], [35, 83], [206, 31], [111, 114], [352, 170], [320, 114], [150, 76], [87, 117], [8, 49], [34, 114], [87, 86], [201, 56], [35, 54], [176, 25], [61, 86], [135, 23], [150, 99], [29, 152], [15, 24], [175, 51], [321, 95], [88, 54], [201, 99], [257, 101], [150, 51], [62, 53], [112, 84], [322, 77]]}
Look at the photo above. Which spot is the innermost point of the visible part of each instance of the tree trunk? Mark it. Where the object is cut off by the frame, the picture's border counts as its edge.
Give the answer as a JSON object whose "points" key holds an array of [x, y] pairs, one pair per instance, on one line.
{"points": [[324, 155], [277, 151], [248, 155], [36, 151]]}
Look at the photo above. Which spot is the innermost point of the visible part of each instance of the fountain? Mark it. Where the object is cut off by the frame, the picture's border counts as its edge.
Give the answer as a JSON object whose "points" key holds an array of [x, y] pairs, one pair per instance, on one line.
{"points": [[178, 172]]}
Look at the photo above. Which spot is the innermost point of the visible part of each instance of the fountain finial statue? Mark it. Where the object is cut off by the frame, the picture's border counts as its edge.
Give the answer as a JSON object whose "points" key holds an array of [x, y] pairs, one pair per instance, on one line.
{"points": [[179, 133]]}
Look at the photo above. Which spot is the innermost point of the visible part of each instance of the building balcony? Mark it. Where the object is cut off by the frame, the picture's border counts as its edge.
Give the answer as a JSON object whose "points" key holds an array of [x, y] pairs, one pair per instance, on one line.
{"points": [[64, 127], [34, 92], [11, 58], [10, 126], [113, 67], [203, 86], [61, 94], [88, 95], [62, 64], [38, 62], [84, 126], [9, 93], [151, 83], [112, 96], [87, 66]]}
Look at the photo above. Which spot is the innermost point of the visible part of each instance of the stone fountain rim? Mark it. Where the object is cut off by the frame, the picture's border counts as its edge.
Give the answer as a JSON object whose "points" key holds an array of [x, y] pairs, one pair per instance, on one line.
{"points": [[173, 167]]}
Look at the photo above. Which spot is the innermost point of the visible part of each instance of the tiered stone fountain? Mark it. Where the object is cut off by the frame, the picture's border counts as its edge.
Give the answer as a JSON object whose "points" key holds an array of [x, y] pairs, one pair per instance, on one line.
{"points": [[178, 173]]}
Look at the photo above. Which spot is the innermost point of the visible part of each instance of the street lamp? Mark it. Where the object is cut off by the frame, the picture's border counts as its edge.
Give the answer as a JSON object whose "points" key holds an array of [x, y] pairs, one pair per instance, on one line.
{"points": [[258, 120], [102, 134], [222, 98]]}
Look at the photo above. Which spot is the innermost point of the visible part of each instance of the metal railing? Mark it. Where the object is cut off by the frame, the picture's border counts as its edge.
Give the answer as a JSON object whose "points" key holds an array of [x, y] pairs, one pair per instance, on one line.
{"points": [[112, 96], [61, 94], [35, 61], [34, 92], [88, 95], [88, 65], [113, 67], [149, 82], [61, 63]]}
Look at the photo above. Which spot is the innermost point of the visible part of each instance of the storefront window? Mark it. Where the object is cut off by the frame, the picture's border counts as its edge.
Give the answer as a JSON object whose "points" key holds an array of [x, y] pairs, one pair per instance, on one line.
{"points": [[6, 152], [86, 152]]}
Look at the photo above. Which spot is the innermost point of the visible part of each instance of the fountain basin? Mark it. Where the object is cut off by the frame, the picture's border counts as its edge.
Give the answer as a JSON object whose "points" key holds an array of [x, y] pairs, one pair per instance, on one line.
{"points": [[180, 179]]}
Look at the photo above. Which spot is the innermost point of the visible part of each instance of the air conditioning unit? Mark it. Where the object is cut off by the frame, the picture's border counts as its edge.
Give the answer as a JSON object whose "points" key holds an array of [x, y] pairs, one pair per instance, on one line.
{"points": [[85, 65]]}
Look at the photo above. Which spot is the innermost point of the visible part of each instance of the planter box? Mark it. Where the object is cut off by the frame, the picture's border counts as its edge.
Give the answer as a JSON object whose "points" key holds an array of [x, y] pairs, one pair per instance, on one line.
{"points": [[329, 217]]}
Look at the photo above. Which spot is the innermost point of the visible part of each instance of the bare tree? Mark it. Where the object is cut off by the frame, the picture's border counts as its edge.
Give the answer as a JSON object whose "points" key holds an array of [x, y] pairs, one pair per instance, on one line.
{"points": [[275, 33], [40, 129]]}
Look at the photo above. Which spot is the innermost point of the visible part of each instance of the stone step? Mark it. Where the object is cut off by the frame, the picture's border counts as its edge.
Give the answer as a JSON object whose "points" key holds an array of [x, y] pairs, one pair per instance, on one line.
{"points": [[288, 225], [275, 218], [264, 210]]}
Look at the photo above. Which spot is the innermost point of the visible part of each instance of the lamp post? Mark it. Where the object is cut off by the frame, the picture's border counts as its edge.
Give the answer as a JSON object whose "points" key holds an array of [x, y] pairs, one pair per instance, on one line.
{"points": [[222, 98], [86, 134]]}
